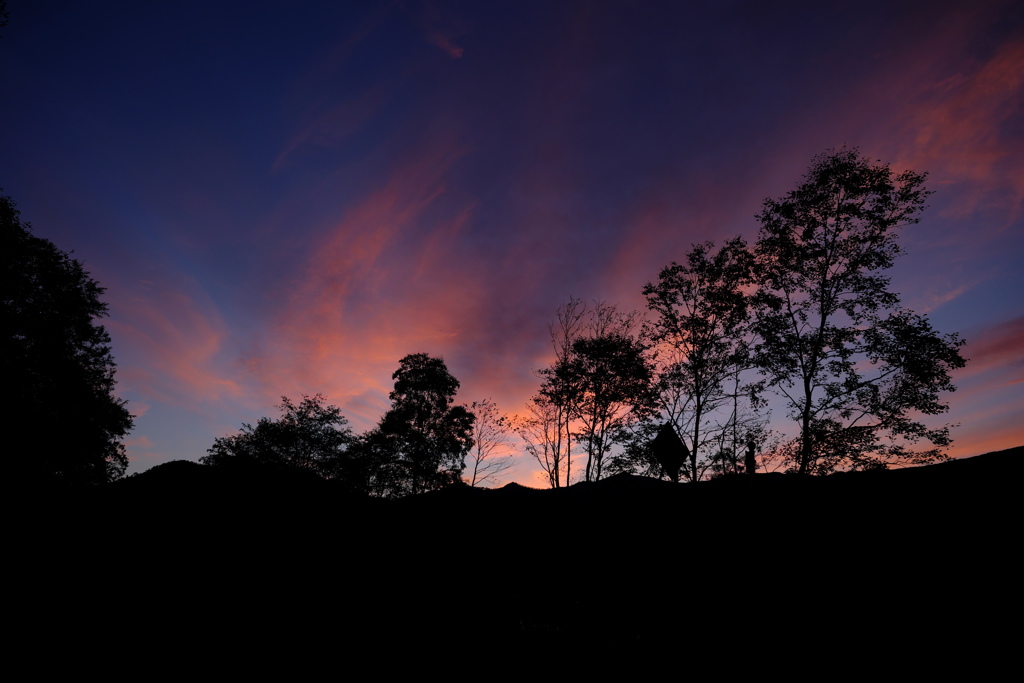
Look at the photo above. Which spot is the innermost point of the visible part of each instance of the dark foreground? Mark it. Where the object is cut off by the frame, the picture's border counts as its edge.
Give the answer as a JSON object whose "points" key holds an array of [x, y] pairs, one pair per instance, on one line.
{"points": [[187, 566]]}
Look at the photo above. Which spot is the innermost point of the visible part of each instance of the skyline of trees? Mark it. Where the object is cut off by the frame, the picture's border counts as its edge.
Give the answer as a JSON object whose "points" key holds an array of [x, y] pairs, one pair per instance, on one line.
{"points": [[802, 319]]}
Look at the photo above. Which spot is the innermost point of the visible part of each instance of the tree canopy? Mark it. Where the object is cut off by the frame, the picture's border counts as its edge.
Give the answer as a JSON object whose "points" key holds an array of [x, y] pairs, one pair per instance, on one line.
{"points": [[311, 436], [701, 328], [852, 365], [57, 362], [422, 441]]}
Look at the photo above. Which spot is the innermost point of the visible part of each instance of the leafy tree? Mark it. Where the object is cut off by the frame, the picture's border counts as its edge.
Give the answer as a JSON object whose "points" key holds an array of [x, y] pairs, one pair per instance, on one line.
{"points": [[702, 329], [608, 377], [56, 362], [311, 435], [850, 363], [598, 383], [423, 439], [491, 432]]}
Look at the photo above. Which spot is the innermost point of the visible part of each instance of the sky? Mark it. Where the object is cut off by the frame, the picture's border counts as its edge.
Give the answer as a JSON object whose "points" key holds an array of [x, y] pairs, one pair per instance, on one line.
{"points": [[287, 198]]}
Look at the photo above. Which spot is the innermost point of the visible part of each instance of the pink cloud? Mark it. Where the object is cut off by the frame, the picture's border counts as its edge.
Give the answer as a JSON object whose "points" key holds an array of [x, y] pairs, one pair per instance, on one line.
{"points": [[138, 442], [376, 287], [1000, 346], [955, 126], [176, 339]]}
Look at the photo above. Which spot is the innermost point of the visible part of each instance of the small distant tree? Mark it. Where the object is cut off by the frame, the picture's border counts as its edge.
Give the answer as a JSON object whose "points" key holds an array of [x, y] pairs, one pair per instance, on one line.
{"points": [[311, 436], [554, 408], [56, 363], [852, 365], [492, 431], [540, 428]]}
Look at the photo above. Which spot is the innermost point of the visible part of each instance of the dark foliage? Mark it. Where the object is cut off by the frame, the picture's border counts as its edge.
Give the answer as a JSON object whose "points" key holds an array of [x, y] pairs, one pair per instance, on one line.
{"points": [[607, 380], [422, 441], [310, 436], [56, 363], [852, 365], [702, 328]]}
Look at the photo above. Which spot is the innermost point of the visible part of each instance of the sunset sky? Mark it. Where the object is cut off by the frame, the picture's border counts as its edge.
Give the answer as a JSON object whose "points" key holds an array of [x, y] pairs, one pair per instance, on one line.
{"points": [[287, 198]]}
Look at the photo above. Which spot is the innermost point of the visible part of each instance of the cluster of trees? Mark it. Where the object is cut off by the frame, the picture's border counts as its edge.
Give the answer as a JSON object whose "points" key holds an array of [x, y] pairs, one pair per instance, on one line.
{"points": [[420, 444], [804, 318]]}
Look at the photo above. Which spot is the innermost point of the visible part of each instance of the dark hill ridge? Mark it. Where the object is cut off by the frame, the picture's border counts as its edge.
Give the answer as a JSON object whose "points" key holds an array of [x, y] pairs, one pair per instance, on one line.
{"points": [[287, 562], [989, 469]]}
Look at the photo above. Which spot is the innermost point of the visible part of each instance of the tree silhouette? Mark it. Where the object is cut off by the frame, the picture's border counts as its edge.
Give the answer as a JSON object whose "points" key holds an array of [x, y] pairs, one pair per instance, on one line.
{"points": [[850, 363], [310, 435], [491, 432], [56, 362], [597, 386], [422, 441], [540, 428], [702, 329], [548, 430], [608, 380]]}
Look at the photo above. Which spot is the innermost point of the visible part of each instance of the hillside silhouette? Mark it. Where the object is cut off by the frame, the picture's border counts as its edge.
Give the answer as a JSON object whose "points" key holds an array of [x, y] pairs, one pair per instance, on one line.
{"points": [[283, 561]]}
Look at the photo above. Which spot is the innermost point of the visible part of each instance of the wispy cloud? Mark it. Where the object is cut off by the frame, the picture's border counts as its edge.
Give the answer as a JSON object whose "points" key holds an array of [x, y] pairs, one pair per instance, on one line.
{"points": [[955, 127], [176, 339], [999, 346], [454, 51]]}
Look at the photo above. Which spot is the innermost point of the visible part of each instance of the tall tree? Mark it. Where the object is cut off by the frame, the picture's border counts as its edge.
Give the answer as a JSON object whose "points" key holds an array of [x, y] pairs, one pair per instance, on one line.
{"points": [[851, 364], [56, 362], [701, 328], [426, 437]]}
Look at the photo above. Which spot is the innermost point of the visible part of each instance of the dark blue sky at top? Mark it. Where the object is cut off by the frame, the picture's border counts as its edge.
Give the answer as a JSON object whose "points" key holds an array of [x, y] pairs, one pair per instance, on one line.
{"points": [[257, 182]]}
